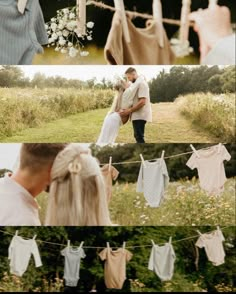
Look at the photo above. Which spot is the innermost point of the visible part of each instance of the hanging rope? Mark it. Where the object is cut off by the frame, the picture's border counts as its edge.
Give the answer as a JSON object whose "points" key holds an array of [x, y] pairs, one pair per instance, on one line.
{"points": [[128, 247], [134, 14]]}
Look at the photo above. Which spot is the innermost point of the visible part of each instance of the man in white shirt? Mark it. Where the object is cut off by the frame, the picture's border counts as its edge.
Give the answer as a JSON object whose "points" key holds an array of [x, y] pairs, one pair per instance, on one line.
{"points": [[217, 40], [141, 111], [18, 192]]}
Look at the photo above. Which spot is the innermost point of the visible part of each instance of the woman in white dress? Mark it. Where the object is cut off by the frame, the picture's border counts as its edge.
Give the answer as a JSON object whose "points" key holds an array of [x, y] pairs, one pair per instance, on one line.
{"points": [[113, 121]]}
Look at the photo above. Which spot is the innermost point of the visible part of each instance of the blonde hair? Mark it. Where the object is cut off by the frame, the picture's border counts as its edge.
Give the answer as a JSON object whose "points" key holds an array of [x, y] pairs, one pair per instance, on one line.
{"points": [[77, 192], [120, 87]]}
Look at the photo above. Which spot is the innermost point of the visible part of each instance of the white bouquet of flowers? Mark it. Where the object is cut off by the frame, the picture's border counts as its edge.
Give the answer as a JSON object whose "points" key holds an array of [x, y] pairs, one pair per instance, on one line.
{"points": [[63, 33]]}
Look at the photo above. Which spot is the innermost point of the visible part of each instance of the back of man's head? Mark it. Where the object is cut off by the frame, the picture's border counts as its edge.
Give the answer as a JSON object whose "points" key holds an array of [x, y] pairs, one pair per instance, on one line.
{"points": [[36, 157], [130, 70]]}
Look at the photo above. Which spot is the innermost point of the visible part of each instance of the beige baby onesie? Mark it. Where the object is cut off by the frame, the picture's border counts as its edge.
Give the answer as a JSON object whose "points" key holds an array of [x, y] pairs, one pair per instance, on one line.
{"points": [[210, 165], [115, 266], [144, 47], [109, 176], [213, 244]]}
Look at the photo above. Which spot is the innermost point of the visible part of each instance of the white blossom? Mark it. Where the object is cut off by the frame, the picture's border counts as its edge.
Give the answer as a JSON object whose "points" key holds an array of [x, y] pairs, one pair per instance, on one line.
{"points": [[73, 52], [90, 24], [84, 53]]}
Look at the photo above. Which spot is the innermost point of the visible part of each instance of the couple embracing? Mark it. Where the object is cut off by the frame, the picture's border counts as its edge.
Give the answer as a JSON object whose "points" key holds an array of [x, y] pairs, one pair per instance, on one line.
{"points": [[132, 102]]}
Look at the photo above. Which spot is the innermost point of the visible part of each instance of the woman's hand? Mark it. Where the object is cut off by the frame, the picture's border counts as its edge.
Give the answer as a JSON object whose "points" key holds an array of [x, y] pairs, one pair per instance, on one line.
{"points": [[211, 24]]}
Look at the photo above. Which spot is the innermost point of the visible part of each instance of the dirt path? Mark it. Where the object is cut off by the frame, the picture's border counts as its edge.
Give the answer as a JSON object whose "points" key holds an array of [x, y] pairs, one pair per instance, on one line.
{"points": [[168, 126]]}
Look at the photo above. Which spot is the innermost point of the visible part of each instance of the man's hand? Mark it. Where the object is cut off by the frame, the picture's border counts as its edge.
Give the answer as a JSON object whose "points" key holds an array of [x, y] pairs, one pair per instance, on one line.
{"points": [[125, 113], [211, 24]]}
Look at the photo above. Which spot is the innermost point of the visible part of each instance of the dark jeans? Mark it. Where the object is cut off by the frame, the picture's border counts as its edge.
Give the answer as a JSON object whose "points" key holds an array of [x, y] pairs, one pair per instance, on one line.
{"points": [[139, 130]]}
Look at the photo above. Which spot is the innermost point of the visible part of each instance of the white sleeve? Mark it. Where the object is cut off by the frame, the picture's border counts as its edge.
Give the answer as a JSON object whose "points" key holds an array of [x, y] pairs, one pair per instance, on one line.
{"points": [[223, 53], [139, 187], [35, 252], [192, 162], [200, 243], [10, 248], [151, 260], [225, 154]]}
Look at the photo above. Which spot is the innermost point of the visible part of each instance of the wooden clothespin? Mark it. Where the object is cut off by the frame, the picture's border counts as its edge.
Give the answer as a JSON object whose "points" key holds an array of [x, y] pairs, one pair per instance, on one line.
{"points": [[218, 228], [170, 240], [157, 16], [162, 154], [212, 3], [124, 245], [143, 161], [35, 236], [194, 150], [199, 233], [81, 244], [119, 5], [81, 17], [68, 243], [22, 5], [110, 163], [184, 27], [16, 233], [219, 147], [108, 245], [153, 243]]}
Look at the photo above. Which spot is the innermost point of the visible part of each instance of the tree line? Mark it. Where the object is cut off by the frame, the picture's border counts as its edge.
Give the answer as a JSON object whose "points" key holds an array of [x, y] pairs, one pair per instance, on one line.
{"points": [[166, 87]]}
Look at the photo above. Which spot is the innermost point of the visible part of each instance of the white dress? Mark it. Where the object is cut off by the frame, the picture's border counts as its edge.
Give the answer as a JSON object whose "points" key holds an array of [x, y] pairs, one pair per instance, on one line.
{"points": [[112, 121]]}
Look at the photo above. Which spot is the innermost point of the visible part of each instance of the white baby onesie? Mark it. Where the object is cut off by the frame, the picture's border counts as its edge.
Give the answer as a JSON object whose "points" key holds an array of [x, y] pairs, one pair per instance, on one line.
{"points": [[213, 244], [19, 254], [162, 261], [73, 258], [210, 165], [152, 181]]}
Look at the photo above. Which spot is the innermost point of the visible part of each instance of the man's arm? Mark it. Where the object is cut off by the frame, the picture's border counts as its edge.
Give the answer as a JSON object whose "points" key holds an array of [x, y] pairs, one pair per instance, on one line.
{"points": [[139, 105]]}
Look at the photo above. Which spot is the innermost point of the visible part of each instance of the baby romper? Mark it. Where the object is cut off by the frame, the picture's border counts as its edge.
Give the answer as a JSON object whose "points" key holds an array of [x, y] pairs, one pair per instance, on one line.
{"points": [[115, 266], [210, 165], [152, 181], [144, 47], [162, 261], [72, 264], [213, 244], [19, 254], [21, 35]]}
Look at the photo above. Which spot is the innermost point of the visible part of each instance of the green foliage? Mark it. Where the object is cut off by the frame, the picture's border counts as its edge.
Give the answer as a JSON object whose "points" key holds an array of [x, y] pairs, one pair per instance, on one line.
{"points": [[181, 80], [139, 278], [215, 113]]}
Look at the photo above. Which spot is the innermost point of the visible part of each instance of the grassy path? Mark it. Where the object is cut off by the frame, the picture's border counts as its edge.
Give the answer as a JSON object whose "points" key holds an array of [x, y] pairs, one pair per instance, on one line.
{"points": [[168, 126]]}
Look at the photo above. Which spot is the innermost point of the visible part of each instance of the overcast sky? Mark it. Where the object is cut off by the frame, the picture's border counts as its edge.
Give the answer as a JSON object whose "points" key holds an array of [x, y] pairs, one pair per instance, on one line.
{"points": [[86, 72]]}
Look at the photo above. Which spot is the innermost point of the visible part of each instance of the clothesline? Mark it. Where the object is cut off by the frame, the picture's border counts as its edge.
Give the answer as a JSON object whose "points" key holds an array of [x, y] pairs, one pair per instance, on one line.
{"points": [[127, 247], [165, 157], [135, 14]]}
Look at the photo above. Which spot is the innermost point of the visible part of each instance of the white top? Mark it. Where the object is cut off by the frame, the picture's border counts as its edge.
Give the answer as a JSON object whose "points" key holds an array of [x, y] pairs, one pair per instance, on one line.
{"points": [[72, 264], [152, 181], [213, 244], [223, 53], [162, 261], [19, 254], [210, 165], [17, 206]]}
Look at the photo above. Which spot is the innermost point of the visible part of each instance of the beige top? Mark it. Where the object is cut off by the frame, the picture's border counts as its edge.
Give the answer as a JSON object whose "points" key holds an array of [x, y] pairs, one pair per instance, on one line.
{"points": [[210, 165], [17, 206], [115, 266], [109, 176], [144, 47], [144, 113], [213, 244]]}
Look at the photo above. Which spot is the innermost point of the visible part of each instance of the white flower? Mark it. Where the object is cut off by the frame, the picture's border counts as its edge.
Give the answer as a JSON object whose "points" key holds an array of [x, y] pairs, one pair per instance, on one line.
{"points": [[54, 36], [54, 26], [70, 44], [66, 10], [71, 15], [65, 33], [46, 27], [73, 52], [71, 25], [53, 19], [63, 51], [50, 40], [89, 38], [90, 24], [62, 42], [57, 49], [59, 34], [61, 26]]}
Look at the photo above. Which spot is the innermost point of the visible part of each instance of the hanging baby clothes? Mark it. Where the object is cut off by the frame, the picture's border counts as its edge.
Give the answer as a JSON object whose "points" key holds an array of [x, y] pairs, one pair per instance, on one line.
{"points": [[152, 181], [21, 35], [19, 254], [73, 258], [144, 47], [210, 165], [115, 266], [109, 175], [162, 261], [213, 244]]}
